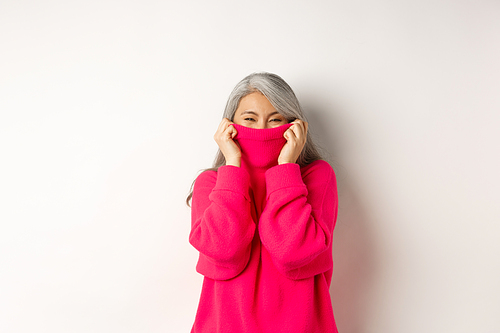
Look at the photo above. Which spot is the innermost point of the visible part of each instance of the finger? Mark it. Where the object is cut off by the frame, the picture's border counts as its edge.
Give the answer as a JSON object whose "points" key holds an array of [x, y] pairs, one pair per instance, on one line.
{"points": [[222, 125], [225, 122], [304, 125], [230, 131], [297, 128], [301, 131], [303, 128], [290, 134]]}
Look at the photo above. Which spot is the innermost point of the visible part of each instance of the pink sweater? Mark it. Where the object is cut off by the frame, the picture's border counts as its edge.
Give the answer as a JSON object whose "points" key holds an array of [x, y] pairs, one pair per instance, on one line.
{"points": [[264, 233]]}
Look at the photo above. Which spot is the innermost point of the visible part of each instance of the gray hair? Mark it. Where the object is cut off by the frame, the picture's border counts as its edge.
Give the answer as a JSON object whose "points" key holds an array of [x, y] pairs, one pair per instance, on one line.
{"points": [[282, 98]]}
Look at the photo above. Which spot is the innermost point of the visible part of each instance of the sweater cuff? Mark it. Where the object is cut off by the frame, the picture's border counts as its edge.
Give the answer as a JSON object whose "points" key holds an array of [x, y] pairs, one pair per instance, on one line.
{"points": [[233, 178], [283, 176]]}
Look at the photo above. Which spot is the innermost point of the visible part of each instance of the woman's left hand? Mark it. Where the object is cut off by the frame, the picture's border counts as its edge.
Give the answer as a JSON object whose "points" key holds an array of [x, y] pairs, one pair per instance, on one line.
{"points": [[296, 137]]}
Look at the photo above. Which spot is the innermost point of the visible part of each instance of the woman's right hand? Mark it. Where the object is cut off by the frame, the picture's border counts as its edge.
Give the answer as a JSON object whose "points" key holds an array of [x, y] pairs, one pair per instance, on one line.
{"points": [[224, 138]]}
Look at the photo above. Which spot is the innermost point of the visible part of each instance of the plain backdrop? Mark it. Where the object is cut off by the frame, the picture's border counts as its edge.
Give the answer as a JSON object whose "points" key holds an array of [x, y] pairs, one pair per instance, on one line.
{"points": [[108, 110]]}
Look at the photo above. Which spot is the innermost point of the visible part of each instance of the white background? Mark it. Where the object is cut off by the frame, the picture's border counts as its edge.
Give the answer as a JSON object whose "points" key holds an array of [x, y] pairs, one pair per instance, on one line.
{"points": [[108, 110]]}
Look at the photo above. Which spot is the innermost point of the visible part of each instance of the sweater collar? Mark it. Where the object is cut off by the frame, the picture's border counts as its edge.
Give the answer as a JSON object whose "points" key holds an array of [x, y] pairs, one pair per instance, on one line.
{"points": [[260, 148]]}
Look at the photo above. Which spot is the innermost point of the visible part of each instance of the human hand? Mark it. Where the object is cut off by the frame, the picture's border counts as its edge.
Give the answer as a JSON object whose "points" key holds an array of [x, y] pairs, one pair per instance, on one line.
{"points": [[224, 138], [296, 137]]}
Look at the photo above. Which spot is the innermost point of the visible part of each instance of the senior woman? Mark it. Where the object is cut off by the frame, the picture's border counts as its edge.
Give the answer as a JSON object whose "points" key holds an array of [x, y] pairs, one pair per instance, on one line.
{"points": [[262, 218]]}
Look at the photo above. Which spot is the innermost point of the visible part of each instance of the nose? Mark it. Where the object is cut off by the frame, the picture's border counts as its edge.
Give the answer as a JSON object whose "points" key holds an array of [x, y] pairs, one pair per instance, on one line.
{"points": [[261, 124]]}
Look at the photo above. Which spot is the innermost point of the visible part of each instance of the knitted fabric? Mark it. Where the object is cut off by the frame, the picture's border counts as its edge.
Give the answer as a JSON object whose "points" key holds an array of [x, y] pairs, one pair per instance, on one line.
{"points": [[264, 234]]}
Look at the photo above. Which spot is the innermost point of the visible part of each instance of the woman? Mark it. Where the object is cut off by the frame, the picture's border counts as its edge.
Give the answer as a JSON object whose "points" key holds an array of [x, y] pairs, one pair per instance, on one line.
{"points": [[263, 218]]}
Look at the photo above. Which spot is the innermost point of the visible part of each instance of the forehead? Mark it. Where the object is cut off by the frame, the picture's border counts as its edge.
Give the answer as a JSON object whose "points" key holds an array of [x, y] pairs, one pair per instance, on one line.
{"points": [[256, 102]]}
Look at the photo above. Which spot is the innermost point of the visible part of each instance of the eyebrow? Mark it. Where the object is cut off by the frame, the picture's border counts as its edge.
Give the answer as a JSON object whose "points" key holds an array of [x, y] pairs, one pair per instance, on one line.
{"points": [[252, 112]]}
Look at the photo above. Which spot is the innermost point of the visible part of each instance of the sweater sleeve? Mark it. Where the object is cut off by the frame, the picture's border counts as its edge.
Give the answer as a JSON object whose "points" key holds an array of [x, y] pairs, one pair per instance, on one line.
{"points": [[222, 227], [296, 225]]}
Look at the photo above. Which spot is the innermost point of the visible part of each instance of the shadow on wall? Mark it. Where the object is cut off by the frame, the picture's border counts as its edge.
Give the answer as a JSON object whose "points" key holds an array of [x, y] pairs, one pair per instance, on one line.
{"points": [[354, 249]]}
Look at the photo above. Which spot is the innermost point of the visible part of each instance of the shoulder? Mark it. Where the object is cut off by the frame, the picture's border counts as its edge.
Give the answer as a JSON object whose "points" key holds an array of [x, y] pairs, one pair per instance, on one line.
{"points": [[207, 178], [318, 169], [319, 178]]}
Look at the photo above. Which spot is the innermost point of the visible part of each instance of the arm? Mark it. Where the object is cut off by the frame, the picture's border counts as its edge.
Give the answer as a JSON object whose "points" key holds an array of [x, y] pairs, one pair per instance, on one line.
{"points": [[297, 223], [222, 227]]}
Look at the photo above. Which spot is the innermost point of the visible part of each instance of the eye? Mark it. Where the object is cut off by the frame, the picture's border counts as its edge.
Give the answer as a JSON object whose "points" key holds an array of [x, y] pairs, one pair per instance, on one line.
{"points": [[276, 119], [249, 119]]}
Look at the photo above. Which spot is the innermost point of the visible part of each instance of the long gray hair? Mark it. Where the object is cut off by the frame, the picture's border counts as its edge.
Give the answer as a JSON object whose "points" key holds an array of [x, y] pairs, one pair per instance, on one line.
{"points": [[282, 97]]}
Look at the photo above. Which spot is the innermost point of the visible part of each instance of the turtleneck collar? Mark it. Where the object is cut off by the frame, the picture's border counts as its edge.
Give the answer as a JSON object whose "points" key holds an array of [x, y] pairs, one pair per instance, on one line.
{"points": [[260, 148]]}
